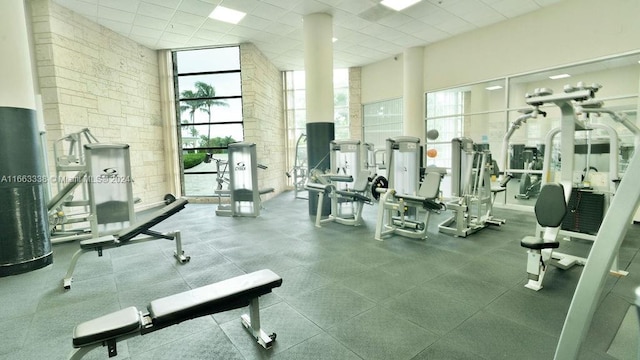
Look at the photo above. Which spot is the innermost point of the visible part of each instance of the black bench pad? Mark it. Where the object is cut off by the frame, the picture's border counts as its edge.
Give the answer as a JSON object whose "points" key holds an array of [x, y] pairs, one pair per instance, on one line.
{"points": [[222, 296], [107, 327], [535, 243]]}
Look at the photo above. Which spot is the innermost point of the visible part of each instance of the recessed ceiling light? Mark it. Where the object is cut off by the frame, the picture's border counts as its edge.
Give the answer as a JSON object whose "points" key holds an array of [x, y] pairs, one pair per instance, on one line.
{"points": [[559, 76], [334, 39], [225, 14], [398, 5], [494, 87]]}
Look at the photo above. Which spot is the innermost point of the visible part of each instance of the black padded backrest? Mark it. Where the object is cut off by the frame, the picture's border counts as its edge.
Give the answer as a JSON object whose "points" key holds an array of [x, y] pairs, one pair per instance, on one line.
{"points": [[210, 299], [551, 205], [156, 218]]}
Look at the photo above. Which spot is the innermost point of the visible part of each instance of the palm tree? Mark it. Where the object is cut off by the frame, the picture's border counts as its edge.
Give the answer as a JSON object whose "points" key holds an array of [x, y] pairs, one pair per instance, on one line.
{"points": [[206, 92], [190, 105]]}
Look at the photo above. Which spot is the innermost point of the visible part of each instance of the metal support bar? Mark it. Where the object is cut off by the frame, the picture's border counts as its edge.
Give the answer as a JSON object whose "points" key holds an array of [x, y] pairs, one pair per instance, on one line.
{"points": [[612, 232]]}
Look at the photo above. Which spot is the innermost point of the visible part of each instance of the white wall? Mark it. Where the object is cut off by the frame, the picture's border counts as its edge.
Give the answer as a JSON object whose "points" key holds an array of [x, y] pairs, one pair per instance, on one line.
{"points": [[382, 80], [567, 32]]}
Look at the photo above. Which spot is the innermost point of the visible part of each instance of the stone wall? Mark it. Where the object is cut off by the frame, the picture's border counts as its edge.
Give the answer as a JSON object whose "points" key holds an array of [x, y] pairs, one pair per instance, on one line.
{"points": [[355, 103], [91, 77], [262, 107]]}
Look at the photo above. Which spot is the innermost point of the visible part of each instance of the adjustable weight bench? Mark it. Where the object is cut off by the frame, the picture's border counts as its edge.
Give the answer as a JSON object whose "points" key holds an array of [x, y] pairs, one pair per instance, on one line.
{"points": [[128, 236], [225, 295]]}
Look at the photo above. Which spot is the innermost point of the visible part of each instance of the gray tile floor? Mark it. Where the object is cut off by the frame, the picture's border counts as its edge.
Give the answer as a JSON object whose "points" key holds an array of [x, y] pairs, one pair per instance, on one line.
{"points": [[344, 294]]}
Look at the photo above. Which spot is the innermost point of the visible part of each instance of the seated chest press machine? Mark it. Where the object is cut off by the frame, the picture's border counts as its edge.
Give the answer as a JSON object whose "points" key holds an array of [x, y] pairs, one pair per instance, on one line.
{"points": [[234, 293], [347, 168], [405, 205]]}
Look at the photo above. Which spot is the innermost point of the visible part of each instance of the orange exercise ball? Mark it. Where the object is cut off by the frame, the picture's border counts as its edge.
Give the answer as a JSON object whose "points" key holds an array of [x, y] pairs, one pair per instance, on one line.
{"points": [[432, 153]]}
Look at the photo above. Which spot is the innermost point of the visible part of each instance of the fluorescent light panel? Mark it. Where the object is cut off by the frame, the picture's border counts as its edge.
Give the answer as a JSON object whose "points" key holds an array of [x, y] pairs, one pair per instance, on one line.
{"points": [[559, 76], [494, 87], [398, 5], [225, 14]]}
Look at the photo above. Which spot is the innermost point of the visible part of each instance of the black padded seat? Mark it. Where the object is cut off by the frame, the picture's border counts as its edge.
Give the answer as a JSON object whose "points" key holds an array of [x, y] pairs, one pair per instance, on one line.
{"points": [[535, 243], [107, 327], [222, 296]]}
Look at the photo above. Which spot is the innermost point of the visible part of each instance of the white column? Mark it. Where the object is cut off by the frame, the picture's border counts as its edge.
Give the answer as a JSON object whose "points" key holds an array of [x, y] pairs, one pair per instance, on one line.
{"points": [[413, 92], [318, 65], [16, 84]]}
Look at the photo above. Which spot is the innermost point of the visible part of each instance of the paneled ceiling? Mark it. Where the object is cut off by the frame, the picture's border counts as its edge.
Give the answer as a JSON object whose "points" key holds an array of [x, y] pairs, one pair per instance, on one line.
{"points": [[366, 31]]}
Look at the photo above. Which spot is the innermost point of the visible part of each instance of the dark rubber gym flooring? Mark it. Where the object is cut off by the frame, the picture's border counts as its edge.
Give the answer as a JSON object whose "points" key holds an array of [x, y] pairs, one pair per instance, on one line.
{"points": [[344, 294]]}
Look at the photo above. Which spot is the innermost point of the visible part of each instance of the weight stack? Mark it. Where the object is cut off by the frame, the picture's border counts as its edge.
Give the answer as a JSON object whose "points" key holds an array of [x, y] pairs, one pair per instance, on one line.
{"points": [[585, 212], [24, 236]]}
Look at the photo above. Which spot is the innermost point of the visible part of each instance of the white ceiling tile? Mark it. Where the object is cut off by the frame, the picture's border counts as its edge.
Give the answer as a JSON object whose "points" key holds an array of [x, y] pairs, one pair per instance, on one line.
{"points": [[181, 29], [88, 9], [203, 34], [115, 15], [196, 7], [279, 29], [145, 31], [356, 7], [311, 6], [166, 3], [124, 5], [149, 42], [254, 22], [268, 11], [155, 11], [395, 20], [117, 26], [181, 17], [216, 25], [241, 5], [150, 22], [510, 8], [285, 4], [366, 31], [174, 38]]}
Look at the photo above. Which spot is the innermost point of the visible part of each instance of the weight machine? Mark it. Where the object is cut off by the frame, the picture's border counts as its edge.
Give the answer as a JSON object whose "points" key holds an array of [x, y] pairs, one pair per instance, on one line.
{"points": [[472, 196], [299, 169], [244, 194], [346, 168], [406, 203], [587, 203], [614, 226], [99, 192]]}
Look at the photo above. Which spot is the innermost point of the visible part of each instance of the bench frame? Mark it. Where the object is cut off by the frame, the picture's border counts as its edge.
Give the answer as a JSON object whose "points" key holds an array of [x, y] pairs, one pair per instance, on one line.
{"points": [[250, 321], [130, 237]]}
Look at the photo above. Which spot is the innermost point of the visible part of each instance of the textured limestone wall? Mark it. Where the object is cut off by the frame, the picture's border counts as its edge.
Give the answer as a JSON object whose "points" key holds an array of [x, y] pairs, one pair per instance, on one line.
{"points": [[91, 77]]}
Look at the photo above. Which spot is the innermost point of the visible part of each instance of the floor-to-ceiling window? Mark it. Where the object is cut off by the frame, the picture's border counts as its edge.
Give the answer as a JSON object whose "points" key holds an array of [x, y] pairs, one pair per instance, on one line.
{"points": [[295, 108], [485, 111], [209, 113]]}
